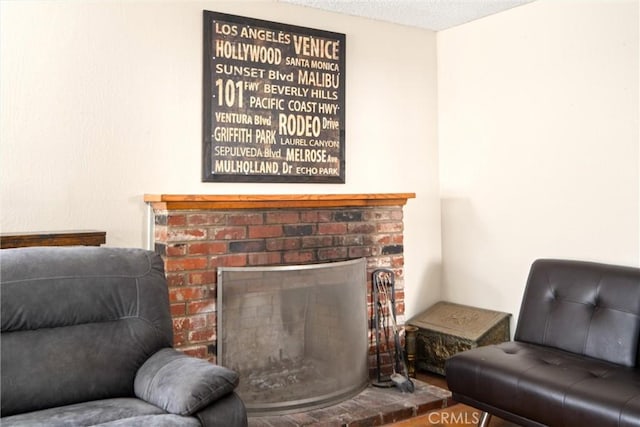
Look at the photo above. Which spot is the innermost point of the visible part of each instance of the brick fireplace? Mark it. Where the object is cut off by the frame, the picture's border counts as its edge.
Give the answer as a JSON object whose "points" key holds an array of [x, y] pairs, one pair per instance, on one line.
{"points": [[196, 234]]}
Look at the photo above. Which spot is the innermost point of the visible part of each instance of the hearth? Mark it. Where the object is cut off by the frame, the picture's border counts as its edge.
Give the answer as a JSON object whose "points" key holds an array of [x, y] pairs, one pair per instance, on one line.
{"points": [[374, 406], [297, 334]]}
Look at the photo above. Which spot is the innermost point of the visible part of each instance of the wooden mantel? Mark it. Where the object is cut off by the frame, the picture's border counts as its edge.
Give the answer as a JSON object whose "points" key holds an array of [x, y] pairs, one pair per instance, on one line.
{"points": [[259, 201]]}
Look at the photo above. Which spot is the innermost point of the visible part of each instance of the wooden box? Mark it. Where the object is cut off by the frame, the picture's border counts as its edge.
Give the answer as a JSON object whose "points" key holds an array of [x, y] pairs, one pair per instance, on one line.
{"points": [[445, 329]]}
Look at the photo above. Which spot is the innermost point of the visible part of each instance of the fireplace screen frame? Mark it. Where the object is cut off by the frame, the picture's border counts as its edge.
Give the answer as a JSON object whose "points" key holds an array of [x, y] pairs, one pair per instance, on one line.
{"points": [[327, 277]]}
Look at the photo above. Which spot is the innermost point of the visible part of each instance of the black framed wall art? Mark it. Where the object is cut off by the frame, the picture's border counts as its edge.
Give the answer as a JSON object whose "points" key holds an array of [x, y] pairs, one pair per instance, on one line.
{"points": [[273, 102]]}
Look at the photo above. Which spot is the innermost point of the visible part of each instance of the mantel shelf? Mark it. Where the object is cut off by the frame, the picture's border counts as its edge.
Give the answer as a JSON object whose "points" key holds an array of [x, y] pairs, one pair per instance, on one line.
{"points": [[275, 201]]}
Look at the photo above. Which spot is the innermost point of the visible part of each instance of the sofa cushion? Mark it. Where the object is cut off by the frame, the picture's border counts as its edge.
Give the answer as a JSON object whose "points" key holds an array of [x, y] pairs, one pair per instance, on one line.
{"points": [[77, 323], [84, 414], [181, 384], [165, 420], [548, 385]]}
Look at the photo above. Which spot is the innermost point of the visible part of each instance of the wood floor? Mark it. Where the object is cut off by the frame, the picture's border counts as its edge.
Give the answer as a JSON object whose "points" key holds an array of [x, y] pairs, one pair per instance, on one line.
{"points": [[457, 415]]}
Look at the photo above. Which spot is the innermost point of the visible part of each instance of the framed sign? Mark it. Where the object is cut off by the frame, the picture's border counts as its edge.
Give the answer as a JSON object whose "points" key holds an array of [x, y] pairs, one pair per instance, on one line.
{"points": [[273, 102]]}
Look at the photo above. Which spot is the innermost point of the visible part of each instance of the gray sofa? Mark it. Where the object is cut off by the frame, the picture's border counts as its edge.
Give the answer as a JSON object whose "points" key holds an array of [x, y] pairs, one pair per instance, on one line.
{"points": [[87, 340], [574, 360]]}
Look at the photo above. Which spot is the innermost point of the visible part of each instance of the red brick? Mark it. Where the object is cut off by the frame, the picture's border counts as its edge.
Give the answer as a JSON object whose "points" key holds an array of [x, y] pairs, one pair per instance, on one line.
{"points": [[206, 248], [360, 251], [176, 220], [198, 321], [384, 215], [186, 263], [176, 235], [387, 239], [332, 254], [317, 241], [397, 261], [325, 216], [160, 234], [206, 218], [285, 217], [284, 244], [229, 233], [265, 258], [309, 215], [179, 338], [332, 228], [397, 214], [180, 324], [198, 307], [235, 260], [300, 257], [203, 278], [399, 307], [176, 249], [351, 240], [175, 279], [389, 227], [202, 335], [245, 219], [211, 319], [178, 309], [361, 227], [263, 231], [187, 293]]}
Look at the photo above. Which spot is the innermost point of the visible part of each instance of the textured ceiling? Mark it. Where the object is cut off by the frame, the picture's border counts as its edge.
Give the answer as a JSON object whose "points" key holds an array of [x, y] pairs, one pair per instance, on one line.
{"points": [[429, 14]]}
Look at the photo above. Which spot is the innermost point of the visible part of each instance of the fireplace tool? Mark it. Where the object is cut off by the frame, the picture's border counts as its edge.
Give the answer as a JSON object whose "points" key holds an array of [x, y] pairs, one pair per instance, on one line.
{"points": [[384, 299]]}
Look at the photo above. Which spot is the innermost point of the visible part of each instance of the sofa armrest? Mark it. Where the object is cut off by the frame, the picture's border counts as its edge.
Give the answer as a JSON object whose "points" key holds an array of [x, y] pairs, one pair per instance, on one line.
{"points": [[182, 384], [229, 411]]}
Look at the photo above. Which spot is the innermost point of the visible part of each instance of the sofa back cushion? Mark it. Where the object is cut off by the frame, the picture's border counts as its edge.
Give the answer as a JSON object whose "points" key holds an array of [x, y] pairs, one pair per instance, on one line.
{"points": [[586, 308], [77, 323]]}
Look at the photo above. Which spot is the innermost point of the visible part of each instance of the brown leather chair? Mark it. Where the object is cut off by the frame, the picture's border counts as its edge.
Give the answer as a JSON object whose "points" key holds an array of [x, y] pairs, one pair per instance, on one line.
{"points": [[574, 358]]}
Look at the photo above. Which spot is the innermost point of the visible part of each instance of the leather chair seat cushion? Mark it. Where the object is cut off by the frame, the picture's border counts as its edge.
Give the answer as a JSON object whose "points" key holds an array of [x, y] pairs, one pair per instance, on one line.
{"points": [[552, 386], [107, 412]]}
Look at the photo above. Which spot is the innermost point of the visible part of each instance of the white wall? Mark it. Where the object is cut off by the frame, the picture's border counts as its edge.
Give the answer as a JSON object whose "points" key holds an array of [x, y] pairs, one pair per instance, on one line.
{"points": [[538, 136], [101, 103], [538, 129]]}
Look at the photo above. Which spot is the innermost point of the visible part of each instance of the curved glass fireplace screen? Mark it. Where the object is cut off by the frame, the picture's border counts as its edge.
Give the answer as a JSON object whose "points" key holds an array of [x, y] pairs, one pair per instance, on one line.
{"points": [[297, 335]]}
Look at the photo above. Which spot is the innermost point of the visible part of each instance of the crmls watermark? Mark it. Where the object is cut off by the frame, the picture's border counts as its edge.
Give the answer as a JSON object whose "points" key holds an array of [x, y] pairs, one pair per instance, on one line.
{"points": [[445, 418]]}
